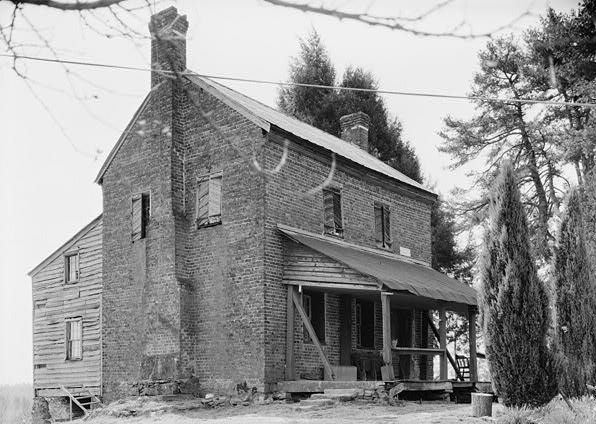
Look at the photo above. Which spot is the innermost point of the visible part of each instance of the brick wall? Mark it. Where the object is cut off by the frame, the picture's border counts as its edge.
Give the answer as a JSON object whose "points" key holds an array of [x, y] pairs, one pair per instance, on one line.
{"points": [[141, 317], [221, 267], [287, 201]]}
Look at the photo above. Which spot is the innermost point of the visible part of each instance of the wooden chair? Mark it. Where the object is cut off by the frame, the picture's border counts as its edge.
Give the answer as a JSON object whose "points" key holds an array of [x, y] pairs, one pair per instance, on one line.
{"points": [[463, 363]]}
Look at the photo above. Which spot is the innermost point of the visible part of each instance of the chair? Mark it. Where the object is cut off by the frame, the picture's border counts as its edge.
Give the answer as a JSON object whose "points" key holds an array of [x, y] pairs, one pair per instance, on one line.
{"points": [[463, 363]]}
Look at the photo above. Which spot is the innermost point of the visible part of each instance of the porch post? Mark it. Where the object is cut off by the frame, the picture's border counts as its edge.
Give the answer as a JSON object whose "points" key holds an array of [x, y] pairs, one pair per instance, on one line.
{"points": [[472, 337], [387, 353], [443, 343], [290, 368]]}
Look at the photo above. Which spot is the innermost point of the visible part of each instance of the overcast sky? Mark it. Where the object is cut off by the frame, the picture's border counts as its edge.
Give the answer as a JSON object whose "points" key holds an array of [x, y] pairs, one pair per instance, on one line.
{"points": [[48, 161]]}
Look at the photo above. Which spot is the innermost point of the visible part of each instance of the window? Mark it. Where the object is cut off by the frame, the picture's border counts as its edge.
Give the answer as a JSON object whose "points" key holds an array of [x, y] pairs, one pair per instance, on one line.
{"points": [[141, 210], [208, 203], [314, 306], [332, 206], [74, 338], [71, 268], [382, 226], [365, 324]]}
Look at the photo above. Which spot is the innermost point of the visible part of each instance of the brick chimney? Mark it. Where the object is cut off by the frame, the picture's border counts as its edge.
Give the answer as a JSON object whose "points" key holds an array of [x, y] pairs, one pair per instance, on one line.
{"points": [[168, 43], [354, 129]]}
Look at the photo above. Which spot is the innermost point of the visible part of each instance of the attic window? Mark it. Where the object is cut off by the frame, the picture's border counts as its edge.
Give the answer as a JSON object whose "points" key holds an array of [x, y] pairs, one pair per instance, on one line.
{"points": [[141, 210], [208, 200], [74, 338], [382, 226], [332, 212], [71, 268]]}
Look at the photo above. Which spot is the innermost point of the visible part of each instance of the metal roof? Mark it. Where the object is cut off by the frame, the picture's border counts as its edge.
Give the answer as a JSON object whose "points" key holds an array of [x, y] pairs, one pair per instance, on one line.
{"points": [[263, 115], [396, 273]]}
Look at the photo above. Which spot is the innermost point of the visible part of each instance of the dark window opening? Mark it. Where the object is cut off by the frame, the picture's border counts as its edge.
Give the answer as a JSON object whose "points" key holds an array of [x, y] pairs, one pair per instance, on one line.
{"points": [[314, 306], [332, 211], [382, 225], [365, 324], [141, 211], [71, 268]]}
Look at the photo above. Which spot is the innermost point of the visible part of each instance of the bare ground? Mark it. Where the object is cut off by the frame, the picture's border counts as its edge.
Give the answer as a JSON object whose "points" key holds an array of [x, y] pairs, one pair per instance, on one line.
{"points": [[283, 413]]}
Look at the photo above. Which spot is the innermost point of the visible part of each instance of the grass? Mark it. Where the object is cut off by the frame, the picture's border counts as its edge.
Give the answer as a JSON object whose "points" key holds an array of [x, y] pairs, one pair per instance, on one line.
{"points": [[582, 411], [15, 403]]}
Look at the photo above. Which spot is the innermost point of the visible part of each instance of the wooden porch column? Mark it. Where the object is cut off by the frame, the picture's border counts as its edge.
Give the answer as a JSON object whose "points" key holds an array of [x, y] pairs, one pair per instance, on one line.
{"points": [[472, 337], [387, 353], [290, 367], [443, 343]]}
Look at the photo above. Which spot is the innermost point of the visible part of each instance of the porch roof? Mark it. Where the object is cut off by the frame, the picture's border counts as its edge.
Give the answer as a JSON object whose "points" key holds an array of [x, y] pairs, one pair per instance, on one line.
{"points": [[401, 275]]}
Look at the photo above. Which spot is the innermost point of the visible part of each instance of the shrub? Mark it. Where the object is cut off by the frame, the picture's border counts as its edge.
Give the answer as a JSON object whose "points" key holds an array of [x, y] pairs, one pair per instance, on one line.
{"points": [[575, 302], [514, 303]]}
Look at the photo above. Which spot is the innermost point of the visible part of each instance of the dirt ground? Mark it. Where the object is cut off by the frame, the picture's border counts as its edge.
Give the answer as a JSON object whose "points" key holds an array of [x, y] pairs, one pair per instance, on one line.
{"points": [[344, 413]]}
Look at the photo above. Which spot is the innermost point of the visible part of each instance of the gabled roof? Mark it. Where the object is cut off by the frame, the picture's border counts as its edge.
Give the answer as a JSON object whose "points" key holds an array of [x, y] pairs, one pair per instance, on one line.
{"points": [[123, 136], [394, 271], [264, 116], [64, 248]]}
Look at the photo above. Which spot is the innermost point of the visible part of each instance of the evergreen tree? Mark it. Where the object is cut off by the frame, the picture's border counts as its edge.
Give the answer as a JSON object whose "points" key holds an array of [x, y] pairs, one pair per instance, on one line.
{"points": [[575, 303], [514, 302], [322, 108], [313, 106]]}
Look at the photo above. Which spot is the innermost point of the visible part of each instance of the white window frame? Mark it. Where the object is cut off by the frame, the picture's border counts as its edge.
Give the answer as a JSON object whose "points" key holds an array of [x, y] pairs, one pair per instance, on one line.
{"points": [[67, 256], [68, 339]]}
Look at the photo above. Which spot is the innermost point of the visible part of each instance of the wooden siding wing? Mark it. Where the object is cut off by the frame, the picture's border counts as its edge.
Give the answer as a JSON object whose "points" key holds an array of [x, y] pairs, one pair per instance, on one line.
{"points": [[54, 303]]}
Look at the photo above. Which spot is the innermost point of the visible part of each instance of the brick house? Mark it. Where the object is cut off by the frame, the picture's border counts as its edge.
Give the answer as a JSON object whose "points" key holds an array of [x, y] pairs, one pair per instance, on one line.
{"points": [[238, 244]]}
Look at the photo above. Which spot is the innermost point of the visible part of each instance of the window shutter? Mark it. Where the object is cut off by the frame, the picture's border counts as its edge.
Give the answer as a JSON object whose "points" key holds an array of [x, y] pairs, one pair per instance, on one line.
{"points": [[379, 224], [328, 208], [386, 226], [215, 199], [136, 217], [203, 203], [338, 225], [68, 342]]}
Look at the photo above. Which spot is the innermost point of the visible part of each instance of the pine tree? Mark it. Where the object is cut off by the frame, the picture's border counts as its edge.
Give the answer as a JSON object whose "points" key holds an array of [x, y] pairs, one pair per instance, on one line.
{"points": [[514, 302], [313, 106], [575, 303]]}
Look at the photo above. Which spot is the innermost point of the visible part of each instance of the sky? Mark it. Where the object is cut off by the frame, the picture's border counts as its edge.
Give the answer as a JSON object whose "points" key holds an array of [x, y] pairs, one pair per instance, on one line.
{"points": [[58, 127]]}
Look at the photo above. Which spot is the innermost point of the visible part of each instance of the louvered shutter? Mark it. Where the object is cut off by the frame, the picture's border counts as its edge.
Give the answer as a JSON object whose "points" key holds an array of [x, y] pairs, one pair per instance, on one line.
{"points": [[203, 203], [136, 218], [379, 224], [338, 224], [386, 226], [215, 199], [328, 211]]}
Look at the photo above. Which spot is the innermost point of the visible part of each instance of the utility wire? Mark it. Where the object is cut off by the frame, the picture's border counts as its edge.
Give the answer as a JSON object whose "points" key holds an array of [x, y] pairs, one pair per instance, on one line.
{"points": [[295, 84]]}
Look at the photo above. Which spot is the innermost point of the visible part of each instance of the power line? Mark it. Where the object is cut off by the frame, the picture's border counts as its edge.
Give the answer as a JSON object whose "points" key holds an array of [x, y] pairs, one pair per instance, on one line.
{"points": [[315, 86]]}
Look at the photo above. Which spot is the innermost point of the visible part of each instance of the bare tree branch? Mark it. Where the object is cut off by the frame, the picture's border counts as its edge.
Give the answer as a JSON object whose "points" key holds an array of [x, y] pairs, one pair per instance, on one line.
{"points": [[64, 5], [398, 23]]}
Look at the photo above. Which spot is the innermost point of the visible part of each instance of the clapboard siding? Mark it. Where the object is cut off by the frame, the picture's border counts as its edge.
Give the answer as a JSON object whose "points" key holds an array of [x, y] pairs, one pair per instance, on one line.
{"points": [[308, 265], [54, 302]]}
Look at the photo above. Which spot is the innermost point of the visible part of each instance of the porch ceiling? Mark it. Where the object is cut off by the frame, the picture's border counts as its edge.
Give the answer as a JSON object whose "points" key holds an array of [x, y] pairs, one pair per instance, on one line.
{"points": [[396, 274]]}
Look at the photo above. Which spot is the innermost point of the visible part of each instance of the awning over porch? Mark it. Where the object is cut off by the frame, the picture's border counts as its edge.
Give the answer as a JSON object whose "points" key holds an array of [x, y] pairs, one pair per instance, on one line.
{"points": [[397, 274]]}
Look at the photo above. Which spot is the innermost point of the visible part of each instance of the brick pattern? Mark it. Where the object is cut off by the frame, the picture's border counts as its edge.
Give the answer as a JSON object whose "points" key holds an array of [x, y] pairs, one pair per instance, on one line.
{"points": [[287, 201], [141, 295]]}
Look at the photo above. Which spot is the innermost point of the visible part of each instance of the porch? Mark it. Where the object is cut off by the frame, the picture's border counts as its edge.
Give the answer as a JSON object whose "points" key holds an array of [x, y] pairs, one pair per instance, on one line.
{"points": [[410, 302]]}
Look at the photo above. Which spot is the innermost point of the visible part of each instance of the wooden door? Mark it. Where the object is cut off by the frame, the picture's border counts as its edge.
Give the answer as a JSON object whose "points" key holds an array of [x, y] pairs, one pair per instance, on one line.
{"points": [[402, 330]]}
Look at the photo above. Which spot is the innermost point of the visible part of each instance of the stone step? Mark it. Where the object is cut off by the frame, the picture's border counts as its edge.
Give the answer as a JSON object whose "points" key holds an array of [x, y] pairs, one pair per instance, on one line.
{"points": [[342, 395], [317, 402]]}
